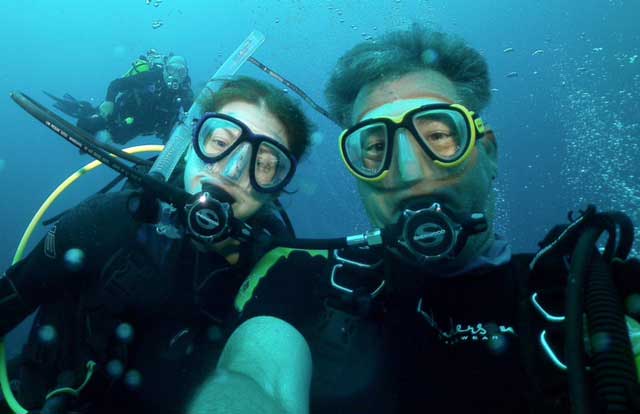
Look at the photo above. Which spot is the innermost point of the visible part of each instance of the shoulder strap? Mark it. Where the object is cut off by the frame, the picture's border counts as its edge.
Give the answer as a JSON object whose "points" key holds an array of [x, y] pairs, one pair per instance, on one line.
{"points": [[262, 268]]}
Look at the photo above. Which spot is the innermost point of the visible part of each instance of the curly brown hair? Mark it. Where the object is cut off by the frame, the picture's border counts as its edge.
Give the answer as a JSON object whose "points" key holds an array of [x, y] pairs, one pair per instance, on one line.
{"points": [[405, 51]]}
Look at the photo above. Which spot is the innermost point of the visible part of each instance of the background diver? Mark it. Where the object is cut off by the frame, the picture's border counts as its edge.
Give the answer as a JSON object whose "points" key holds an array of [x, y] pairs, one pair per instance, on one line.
{"points": [[147, 100]]}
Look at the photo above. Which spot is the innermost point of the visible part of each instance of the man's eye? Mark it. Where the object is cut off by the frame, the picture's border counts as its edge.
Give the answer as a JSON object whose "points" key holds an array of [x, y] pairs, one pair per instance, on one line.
{"points": [[437, 136], [378, 146]]}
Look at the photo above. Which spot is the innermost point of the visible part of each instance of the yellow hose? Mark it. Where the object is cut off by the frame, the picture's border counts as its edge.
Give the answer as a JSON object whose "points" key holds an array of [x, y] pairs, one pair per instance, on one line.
{"points": [[24, 241]]}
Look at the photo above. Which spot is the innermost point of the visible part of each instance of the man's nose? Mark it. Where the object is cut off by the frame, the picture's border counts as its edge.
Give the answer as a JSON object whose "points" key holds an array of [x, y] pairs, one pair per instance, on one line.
{"points": [[407, 160]]}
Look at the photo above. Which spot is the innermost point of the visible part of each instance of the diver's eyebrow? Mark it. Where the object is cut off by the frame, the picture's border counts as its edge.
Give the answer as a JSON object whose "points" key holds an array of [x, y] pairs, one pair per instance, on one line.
{"points": [[274, 136], [434, 96]]}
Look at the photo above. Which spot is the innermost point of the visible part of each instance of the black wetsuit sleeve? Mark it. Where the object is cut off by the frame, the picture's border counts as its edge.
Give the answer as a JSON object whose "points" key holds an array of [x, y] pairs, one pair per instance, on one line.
{"points": [[187, 95], [289, 290], [139, 80], [97, 227]]}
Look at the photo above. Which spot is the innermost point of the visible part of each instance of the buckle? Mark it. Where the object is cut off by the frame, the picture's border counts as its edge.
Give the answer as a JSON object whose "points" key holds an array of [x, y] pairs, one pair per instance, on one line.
{"points": [[546, 347], [544, 342], [353, 263], [546, 315], [342, 262]]}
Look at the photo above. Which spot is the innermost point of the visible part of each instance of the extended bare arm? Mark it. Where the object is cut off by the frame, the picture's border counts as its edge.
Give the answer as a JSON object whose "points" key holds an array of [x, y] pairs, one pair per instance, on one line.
{"points": [[264, 368]]}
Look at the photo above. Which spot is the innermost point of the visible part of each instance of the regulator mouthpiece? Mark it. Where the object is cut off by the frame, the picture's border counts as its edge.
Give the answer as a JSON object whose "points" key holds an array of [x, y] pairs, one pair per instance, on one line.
{"points": [[429, 234]]}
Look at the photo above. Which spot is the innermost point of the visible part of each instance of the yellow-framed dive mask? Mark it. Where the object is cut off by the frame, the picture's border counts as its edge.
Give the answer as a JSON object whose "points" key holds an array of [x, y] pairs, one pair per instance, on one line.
{"points": [[446, 133]]}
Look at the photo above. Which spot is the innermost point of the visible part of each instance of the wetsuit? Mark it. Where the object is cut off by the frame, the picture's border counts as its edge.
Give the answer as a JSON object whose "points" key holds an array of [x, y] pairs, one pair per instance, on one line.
{"points": [[459, 344], [149, 310], [145, 101]]}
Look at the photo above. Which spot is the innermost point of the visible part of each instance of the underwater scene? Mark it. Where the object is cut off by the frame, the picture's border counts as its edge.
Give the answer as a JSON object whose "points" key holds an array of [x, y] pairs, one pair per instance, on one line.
{"points": [[471, 160]]}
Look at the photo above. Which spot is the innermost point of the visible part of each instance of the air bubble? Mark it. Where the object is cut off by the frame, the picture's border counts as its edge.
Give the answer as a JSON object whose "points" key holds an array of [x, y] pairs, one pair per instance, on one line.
{"points": [[115, 368], [214, 333], [74, 259], [124, 332], [133, 379], [47, 334], [498, 344]]}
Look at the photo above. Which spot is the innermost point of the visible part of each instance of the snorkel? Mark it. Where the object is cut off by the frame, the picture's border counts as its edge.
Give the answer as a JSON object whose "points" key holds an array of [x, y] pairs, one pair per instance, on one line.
{"points": [[181, 134]]}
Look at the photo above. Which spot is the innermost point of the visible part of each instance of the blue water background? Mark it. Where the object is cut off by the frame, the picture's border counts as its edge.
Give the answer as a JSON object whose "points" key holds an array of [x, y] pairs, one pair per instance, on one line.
{"points": [[568, 124]]}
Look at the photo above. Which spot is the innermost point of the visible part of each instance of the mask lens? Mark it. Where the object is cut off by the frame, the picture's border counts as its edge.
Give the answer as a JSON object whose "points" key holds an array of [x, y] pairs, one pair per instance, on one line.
{"points": [[444, 131], [366, 149], [217, 136], [177, 71], [272, 166]]}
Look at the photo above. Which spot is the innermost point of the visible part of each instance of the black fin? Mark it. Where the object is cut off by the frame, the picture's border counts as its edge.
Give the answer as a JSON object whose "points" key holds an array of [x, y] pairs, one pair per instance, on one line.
{"points": [[71, 106]]}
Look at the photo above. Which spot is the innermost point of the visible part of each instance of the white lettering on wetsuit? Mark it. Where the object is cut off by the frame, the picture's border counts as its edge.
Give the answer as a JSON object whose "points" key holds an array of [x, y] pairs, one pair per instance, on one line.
{"points": [[466, 333], [471, 333]]}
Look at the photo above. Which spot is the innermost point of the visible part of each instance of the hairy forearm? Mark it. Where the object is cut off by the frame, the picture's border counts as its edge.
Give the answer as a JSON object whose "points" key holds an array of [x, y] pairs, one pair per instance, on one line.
{"points": [[232, 393]]}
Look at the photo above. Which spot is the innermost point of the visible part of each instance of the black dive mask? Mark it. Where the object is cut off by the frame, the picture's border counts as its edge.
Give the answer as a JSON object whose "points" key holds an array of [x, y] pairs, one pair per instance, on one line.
{"points": [[430, 234]]}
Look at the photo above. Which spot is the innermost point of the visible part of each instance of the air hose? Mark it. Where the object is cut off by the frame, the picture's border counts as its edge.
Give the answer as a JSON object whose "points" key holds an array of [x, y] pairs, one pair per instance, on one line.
{"points": [[591, 283]]}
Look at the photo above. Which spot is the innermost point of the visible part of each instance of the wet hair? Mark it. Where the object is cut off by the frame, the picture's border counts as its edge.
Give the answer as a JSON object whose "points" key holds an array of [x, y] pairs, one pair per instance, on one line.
{"points": [[406, 51], [297, 127]]}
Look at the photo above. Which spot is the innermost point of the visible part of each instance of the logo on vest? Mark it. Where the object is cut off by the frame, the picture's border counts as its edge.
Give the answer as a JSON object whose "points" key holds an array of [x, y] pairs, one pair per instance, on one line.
{"points": [[457, 332]]}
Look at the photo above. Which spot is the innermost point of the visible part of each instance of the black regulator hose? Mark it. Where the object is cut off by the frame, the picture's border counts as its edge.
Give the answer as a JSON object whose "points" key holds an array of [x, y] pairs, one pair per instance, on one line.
{"points": [[370, 238], [312, 244], [625, 226], [612, 364], [576, 373], [612, 361]]}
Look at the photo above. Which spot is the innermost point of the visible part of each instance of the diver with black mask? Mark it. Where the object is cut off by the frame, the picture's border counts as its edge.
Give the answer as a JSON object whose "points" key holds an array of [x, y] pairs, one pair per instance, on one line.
{"points": [[431, 312], [134, 287]]}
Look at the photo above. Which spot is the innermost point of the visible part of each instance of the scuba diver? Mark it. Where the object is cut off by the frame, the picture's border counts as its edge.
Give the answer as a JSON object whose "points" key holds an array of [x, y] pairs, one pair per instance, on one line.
{"points": [[133, 294], [148, 100], [432, 312]]}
